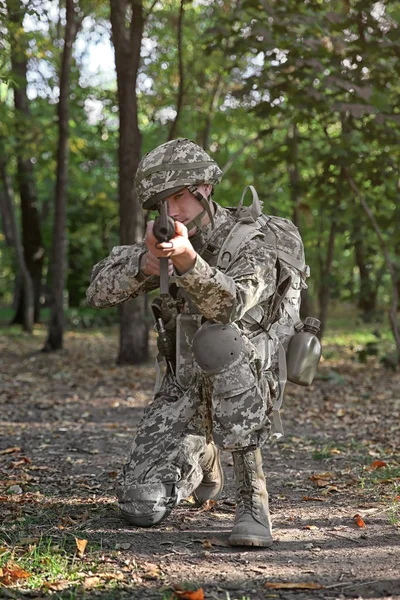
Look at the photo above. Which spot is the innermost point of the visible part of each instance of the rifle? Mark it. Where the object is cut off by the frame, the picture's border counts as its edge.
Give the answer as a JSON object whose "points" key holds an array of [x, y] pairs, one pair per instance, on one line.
{"points": [[164, 231]]}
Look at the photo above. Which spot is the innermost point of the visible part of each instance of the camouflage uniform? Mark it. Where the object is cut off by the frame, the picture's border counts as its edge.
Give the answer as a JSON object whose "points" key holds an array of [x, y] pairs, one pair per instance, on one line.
{"points": [[231, 407]]}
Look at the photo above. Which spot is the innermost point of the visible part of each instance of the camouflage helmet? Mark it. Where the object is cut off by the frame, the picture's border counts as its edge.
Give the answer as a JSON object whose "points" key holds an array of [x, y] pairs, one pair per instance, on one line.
{"points": [[171, 167]]}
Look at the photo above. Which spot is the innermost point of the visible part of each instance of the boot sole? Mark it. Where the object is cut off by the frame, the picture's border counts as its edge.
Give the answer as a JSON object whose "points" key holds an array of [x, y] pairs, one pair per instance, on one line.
{"points": [[250, 541]]}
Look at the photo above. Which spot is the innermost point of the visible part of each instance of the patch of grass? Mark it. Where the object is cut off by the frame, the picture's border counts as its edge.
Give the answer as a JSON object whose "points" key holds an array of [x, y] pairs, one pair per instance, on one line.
{"points": [[45, 561]]}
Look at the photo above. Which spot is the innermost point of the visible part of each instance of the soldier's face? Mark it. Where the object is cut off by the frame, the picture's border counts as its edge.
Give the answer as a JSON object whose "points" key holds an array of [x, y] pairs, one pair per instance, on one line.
{"points": [[184, 207]]}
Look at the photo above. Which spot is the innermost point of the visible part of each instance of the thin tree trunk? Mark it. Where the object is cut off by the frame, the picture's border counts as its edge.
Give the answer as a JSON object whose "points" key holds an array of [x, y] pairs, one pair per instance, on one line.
{"points": [[31, 234], [389, 265], [293, 172], [127, 21], [6, 201], [212, 107], [58, 254], [23, 277], [179, 103], [368, 292], [324, 290]]}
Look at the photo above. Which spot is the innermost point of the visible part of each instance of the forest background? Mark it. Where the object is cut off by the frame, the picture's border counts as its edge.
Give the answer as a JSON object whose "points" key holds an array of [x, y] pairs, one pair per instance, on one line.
{"points": [[297, 98]]}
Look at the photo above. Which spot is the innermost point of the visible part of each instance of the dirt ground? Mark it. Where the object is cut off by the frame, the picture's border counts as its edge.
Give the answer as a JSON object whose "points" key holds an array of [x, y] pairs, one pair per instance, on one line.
{"points": [[66, 422]]}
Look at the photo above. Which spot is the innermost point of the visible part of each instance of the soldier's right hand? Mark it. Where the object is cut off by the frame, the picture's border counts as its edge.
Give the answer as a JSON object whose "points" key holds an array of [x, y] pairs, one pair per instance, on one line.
{"points": [[150, 265]]}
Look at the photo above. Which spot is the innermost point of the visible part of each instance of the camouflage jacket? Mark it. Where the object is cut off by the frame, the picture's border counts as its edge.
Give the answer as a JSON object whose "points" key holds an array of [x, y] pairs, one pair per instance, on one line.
{"points": [[223, 297]]}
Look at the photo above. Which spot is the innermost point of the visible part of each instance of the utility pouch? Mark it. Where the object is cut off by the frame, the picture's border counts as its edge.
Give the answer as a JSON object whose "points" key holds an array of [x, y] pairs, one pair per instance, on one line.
{"points": [[186, 327]]}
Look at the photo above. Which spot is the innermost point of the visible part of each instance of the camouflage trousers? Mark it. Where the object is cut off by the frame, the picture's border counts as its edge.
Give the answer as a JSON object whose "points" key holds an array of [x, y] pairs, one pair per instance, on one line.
{"points": [[230, 407]]}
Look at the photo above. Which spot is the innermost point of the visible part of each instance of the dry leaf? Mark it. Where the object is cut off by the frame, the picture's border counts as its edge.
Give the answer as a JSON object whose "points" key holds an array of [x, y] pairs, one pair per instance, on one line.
{"points": [[57, 586], [81, 545], [10, 450], [215, 542], [311, 527], [206, 545], [313, 498], [28, 540], [124, 546], [189, 594], [11, 573], [91, 582], [152, 571], [359, 520], [208, 505], [294, 586], [15, 489], [377, 464], [111, 576]]}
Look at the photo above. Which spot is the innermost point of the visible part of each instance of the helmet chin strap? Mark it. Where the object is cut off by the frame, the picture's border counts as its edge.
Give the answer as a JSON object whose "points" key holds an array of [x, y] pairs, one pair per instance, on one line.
{"points": [[196, 222]]}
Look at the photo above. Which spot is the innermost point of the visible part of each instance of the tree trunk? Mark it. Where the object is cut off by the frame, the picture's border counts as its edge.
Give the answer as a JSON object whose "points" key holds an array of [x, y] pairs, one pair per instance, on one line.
{"points": [[23, 278], [58, 254], [368, 292], [326, 269], [31, 234], [179, 102], [127, 21], [293, 172], [389, 264]]}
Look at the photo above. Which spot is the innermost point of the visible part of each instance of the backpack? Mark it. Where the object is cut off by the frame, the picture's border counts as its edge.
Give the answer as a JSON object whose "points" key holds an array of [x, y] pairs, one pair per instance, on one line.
{"points": [[280, 318]]}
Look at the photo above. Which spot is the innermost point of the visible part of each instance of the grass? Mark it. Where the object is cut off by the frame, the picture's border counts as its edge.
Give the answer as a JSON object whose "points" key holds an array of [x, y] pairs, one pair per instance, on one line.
{"points": [[45, 561]]}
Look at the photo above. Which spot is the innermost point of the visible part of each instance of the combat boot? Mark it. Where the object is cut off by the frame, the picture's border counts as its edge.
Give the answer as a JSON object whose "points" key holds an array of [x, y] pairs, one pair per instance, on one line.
{"points": [[212, 483], [252, 521]]}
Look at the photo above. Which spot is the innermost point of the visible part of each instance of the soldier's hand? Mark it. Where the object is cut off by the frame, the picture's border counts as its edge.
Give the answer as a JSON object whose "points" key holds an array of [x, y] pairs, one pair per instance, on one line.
{"points": [[150, 265]]}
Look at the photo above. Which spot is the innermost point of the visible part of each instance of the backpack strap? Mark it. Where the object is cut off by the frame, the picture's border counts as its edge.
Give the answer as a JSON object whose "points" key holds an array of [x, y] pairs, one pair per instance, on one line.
{"points": [[240, 233], [253, 211]]}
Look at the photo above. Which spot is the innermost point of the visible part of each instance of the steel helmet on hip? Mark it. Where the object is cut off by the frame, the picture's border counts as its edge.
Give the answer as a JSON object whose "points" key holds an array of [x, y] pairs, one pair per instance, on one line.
{"points": [[169, 168]]}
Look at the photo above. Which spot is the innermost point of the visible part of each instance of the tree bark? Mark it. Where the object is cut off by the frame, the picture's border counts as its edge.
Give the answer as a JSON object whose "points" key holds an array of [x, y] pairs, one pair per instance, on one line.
{"points": [[31, 234], [389, 265], [59, 254], [127, 21], [23, 277]]}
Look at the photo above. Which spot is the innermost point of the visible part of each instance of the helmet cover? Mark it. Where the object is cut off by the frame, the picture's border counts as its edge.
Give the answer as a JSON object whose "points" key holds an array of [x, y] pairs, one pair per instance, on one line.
{"points": [[171, 167]]}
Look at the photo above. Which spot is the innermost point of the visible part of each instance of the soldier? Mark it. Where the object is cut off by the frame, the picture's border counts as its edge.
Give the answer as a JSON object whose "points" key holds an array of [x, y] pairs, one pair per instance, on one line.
{"points": [[219, 388]]}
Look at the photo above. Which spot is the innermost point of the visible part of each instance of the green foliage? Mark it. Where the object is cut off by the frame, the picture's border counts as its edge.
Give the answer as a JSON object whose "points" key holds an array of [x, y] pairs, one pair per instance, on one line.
{"points": [[286, 96]]}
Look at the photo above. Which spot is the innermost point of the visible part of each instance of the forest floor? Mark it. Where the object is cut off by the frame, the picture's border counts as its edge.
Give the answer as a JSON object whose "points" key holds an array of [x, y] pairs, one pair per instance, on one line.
{"points": [[66, 423]]}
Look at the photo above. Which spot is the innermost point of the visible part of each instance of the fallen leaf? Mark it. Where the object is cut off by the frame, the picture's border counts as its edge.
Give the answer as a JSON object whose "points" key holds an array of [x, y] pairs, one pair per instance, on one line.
{"points": [[124, 546], [189, 594], [91, 582], [313, 499], [359, 520], [15, 489], [10, 450], [81, 545], [152, 571], [311, 527], [11, 573], [294, 586], [328, 490], [208, 505], [28, 540], [215, 542], [377, 464], [207, 545], [57, 586], [111, 576]]}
